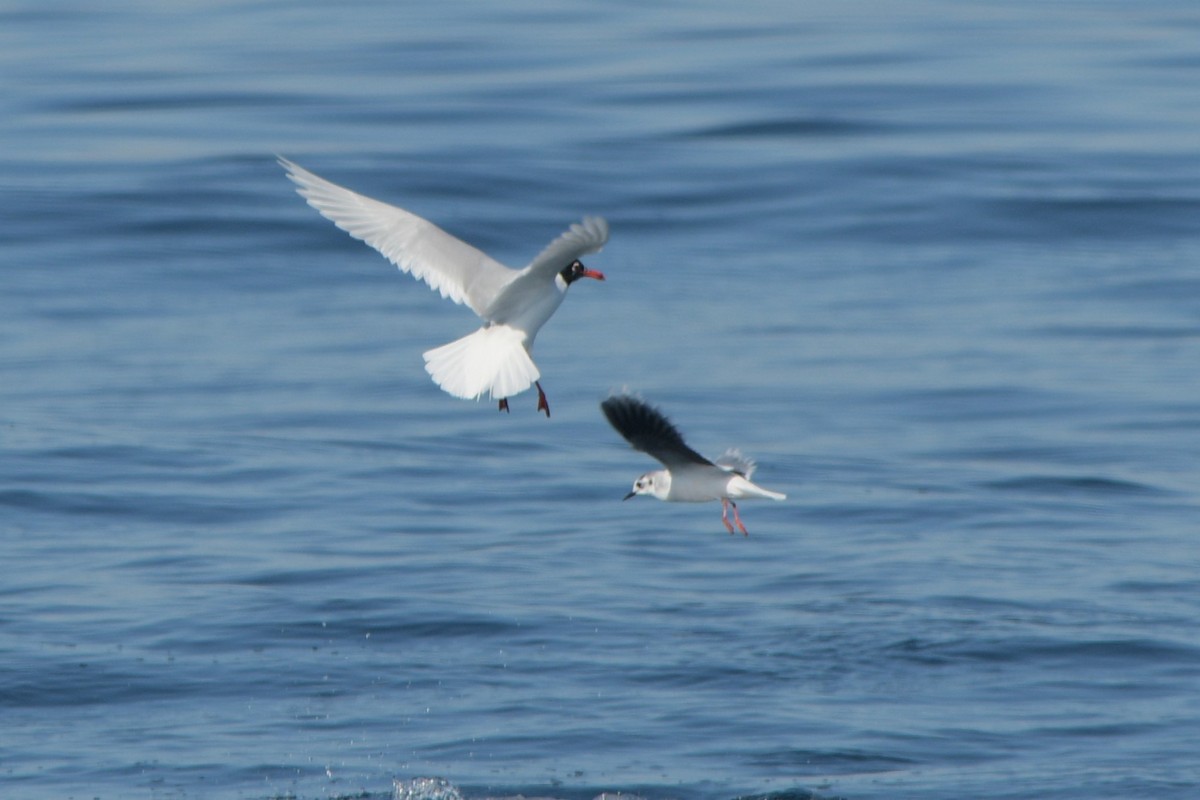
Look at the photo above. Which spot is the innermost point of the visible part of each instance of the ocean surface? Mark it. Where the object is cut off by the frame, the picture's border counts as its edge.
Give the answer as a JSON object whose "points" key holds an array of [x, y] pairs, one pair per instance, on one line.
{"points": [[935, 264]]}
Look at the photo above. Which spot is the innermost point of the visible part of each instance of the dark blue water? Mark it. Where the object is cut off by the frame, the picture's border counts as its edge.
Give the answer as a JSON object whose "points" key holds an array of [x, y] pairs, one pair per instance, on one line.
{"points": [[935, 264]]}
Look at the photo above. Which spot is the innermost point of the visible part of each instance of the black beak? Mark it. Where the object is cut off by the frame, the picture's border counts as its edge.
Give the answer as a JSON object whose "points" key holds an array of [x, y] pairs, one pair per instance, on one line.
{"points": [[626, 497]]}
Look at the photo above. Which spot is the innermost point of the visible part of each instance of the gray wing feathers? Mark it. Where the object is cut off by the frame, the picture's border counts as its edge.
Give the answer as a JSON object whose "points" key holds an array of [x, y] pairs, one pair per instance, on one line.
{"points": [[732, 460], [648, 430], [581, 238], [454, 268]]}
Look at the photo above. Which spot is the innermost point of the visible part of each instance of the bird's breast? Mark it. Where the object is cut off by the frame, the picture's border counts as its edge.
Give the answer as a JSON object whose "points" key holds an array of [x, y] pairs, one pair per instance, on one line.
{"points": [[527, 307], [697, 486]]}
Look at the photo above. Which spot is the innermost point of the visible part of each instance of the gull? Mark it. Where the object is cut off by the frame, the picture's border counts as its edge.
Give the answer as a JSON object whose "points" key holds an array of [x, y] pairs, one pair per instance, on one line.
{"points": [[513, 304], [689, 477]]}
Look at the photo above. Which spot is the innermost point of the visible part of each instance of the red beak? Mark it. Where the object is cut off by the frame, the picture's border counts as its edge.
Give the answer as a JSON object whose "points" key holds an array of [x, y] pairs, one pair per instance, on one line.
{"points": [[591, 273]]}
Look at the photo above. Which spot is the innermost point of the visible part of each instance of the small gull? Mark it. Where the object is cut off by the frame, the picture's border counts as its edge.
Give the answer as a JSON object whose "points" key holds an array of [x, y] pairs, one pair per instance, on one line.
{"points": [[689, 477]]}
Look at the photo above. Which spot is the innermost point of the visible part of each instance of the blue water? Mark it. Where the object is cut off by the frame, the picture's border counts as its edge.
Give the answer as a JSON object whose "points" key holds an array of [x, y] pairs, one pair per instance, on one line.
{"points": [[935, 264]]}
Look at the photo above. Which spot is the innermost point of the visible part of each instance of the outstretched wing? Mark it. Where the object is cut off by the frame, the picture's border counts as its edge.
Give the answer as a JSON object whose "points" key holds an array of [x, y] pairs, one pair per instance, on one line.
{"points": [[415, 245], [732, 460], [581, 238], [648, 430]]}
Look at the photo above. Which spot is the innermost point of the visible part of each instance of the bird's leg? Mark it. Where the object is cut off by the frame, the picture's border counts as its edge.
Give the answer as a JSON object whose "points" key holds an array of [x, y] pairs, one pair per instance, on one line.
{"points": [[725, 514], [738, 519], [503, 404], [542, 404]]}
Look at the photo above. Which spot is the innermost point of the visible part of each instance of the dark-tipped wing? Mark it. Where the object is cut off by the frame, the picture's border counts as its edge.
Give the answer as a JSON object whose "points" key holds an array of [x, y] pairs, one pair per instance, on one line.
{"points": [[648, 430]]}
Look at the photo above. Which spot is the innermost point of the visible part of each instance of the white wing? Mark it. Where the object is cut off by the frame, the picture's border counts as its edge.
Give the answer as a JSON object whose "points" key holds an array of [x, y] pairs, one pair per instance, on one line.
{"points": [[732, 460], [581, 238], [415, 245]]}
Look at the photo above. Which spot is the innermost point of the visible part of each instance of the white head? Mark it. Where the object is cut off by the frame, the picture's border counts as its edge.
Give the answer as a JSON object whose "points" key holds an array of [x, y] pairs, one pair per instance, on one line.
{"points": [[656, 484]]}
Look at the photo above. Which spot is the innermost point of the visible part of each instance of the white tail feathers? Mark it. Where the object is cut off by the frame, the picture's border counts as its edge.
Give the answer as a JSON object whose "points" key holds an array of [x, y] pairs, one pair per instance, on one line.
{"points": [[491, 360], [739, 488]]}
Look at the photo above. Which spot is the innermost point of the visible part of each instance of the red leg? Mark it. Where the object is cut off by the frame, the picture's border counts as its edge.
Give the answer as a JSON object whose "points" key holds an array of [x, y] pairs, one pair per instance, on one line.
{"points": [[725, 514], [738, 519], [542, 404], [503, 404]]}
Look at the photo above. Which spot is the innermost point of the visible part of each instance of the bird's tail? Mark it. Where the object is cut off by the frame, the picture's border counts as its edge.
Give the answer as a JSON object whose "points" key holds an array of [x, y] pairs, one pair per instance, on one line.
{"points": [[491, 360], [740, 488]]}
